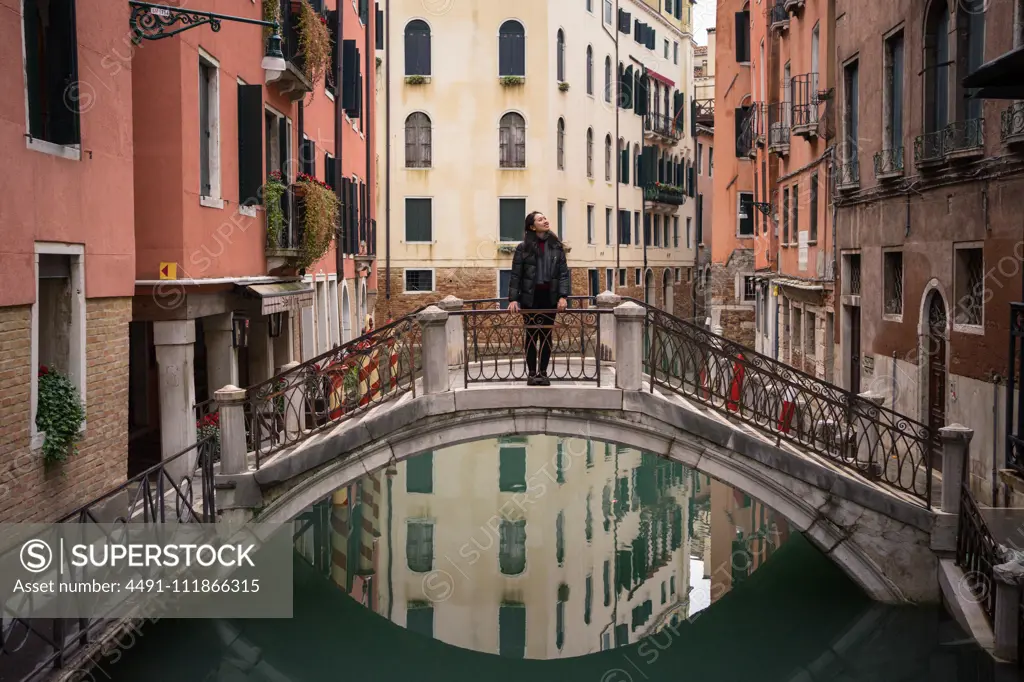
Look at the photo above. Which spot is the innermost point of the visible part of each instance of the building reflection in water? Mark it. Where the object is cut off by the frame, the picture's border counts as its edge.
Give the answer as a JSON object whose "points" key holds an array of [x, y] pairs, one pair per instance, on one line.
{"points": [[538, 547]]}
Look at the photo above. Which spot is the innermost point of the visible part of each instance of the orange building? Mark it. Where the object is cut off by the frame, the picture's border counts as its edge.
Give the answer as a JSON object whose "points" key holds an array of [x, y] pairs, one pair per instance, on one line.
{"points": [[238, 272]]}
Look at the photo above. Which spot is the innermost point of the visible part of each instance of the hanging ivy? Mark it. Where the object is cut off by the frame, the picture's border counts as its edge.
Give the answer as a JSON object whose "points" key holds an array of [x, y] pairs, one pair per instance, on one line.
{"points": [[59, 414], [272, 13], [273, 190], [320, 216], [314, 43]]}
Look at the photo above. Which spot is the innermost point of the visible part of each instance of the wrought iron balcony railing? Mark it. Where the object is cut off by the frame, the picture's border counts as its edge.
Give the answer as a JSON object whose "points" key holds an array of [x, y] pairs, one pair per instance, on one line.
{"points": [[662, 124], [964, 137], [779, 125], [1012, 127], [804, 90], [778, 16], [928, 149], [848, 174], [745, 141], [289, 235], [889, 163], [852, 274], [664, 194]]}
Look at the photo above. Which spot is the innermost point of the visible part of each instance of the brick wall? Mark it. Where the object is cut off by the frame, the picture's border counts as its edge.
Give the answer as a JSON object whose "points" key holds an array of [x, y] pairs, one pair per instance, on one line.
{"points": [[464, 283], [735, 317], [29, 492]]}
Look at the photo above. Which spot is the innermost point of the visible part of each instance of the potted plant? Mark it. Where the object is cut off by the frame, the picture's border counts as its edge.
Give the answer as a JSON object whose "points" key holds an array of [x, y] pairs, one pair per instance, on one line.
{"points": [[273, 190], [563, 86], [314, 43], [415, 80], [208, 429], [59, 415], [507, 248], [512, 81], [319, 216]]}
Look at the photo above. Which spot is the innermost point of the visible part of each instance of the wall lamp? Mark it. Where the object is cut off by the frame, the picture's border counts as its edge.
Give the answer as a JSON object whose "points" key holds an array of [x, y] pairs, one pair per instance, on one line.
{"points": [[154, 22], [239, 330]]}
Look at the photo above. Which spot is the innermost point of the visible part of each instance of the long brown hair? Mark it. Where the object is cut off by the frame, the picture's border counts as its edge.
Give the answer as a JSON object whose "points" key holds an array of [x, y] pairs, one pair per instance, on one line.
{"points": [[531, 233]]}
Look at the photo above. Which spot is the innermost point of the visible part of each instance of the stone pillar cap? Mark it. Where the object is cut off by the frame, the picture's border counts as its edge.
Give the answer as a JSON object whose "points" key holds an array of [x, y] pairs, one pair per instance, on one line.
{"points": [[629, 309], [432, 315], [876, 398], [229, 394], [607, 299], [956, 432], [450, 302]]}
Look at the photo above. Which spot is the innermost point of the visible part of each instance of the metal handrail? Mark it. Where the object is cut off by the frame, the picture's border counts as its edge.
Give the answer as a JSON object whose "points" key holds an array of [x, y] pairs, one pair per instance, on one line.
{"points": [[976, 552], [889, 161]]}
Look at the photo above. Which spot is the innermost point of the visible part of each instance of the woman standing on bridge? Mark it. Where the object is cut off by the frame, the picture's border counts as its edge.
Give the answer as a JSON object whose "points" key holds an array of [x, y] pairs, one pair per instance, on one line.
{"points": [[539, 281]]}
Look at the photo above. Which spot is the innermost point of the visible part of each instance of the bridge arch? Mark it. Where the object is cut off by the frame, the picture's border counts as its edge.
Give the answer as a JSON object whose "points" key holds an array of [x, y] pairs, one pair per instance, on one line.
{"points": [[881, 541]]}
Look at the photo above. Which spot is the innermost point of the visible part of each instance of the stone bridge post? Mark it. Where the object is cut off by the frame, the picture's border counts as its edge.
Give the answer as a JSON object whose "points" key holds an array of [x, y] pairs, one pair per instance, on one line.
{"points": [[433, 331], [295, 411], [454, 330], [231, 405], [629, 346], [607, 301], [870, 458], [956, 442]]}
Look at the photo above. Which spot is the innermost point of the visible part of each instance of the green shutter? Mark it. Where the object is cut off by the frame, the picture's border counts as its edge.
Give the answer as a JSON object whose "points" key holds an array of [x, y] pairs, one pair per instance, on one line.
{"points": [[512, 219], [560, 456], [512, 547], [512, 630], [418, 226], [588, 523], [419, 546], [512, 470], [419, 618], [606, 572], [588, 597], [560, 538], [419, 473]]}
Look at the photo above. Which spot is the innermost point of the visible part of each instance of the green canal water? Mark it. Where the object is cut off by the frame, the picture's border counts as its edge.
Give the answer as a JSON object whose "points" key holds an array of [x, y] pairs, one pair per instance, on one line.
{"points": [[545, 559]]}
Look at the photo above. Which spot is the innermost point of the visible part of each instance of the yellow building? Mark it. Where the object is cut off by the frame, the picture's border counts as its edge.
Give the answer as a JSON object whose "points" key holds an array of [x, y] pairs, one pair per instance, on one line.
{"points": [[494, 110], [534, 547]]}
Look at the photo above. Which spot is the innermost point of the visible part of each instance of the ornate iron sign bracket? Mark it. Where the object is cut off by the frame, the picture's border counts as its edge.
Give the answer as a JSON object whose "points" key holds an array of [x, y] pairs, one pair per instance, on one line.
{"points": [[154, 22]]}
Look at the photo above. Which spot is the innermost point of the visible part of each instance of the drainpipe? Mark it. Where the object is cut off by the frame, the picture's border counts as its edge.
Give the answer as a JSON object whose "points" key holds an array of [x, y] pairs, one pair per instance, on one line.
{"points": [[996, 381], [371, 85], [618, 114], [339, 120], [893, 381], [387, 154]]}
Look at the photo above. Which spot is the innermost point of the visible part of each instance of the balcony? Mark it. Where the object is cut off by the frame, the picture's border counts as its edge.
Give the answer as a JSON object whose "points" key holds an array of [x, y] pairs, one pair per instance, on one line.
{"points": [[889, 164], [284, 241], [669, 196], [759, 114], [847, 175], [965, 140], [794, 5], [928, 152], [1012, 129], [805, 105], [778, 17], [705, 110], [745, 141], [661, 126], [779, 125], [292, 82]]}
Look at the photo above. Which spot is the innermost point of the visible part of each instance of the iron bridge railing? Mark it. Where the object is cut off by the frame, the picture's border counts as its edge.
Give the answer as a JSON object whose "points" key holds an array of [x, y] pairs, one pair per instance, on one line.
{"points": [[976, 553]]}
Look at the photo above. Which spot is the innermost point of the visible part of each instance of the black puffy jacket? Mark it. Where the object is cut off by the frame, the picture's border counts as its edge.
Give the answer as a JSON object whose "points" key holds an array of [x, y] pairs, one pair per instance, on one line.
{"points": [[523, 279]]}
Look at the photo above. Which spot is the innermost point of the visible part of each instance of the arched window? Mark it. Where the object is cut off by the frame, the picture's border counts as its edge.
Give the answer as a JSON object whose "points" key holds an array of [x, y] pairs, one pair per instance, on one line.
{"points": [[970, 54], [936, 68], [560, 142], [417, 48], [511, 49], [417, 140], [590, 152], [608, 158], [560, 56], [512, 141], [607, 79], [590, 70]]}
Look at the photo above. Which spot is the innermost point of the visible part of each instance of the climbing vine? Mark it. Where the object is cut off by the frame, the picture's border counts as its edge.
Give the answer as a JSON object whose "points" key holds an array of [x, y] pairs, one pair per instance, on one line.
{"points": [[59, 414], [319, 217], [314, 43], [273, 190]]}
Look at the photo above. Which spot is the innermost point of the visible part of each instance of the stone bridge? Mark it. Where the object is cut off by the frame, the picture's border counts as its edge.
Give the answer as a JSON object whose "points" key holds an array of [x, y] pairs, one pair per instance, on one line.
{"points": [[880, 527]]}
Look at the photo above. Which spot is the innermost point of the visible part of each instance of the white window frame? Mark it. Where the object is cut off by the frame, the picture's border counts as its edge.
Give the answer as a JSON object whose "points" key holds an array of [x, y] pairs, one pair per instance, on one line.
{"points": [[76, 338], [753, 233], [609, 12], [978, 329], [892, 317], [637, 277], [333, 312], [497, 225], [405, 219], [591, 234], [497, 51], [214, 199], [609, 279], [497, 147], [405, 280]]}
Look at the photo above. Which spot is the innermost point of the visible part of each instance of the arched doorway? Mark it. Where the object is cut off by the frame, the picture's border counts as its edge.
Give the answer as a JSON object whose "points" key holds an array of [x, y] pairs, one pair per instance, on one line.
{"points": [[346, 315], [650, 294], [934, 361], [666, 285]]}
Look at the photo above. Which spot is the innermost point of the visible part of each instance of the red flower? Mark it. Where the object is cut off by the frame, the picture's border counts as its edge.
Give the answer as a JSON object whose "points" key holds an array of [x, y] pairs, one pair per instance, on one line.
{"points": [[43, 370]]}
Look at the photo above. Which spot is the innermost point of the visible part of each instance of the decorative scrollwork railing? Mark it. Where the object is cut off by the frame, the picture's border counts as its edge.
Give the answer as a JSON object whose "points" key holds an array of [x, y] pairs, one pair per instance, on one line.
{"points": [[368, 371], [964, 136], [976, 552], [928, 148], [788, 404], [889, 162], [1012, 123], [177, 490], [495, 342], [847, 174]]}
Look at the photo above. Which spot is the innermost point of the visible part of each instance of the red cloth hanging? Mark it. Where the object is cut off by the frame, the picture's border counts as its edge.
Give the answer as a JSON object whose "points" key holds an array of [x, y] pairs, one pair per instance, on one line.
{"points": [[786, 418], [736, 389]]}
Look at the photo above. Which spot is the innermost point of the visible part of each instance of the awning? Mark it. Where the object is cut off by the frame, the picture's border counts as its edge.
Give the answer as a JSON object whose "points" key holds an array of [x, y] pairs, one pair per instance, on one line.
{"points": [[806, 285], [658, 77], [1000, 78], [282, 296]]}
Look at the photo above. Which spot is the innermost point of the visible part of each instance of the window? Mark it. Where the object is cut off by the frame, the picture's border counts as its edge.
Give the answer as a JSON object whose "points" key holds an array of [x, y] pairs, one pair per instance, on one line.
{"points": [[417, 140], [250, 144], [512, 469], [606, 574], [970, 37], [745, 217], [58, 319], [590, 6], [664, 592], [504, 278], [796, 212], [689, 226], [419, 281], [512, 141], [666, 48], [590, 70], [608, 226], [785, 216], [608, 158], [511, 49], [419, 221], [307, 157], [675, 52], [588, 598], [622, 277], [417, 48], [936, 68], [419, 546], [51, 69], [590, 152], [512, 630], [749, 289], [560, 56], [700, 159], [850, 115], [636, 277], [563, 596], [678, 275], [851, 274], [608, 87], [675, 233], [607, 11], [512, 219], [419, 473], [512, 547], [700, 219], [668, 6], [593, 289], [796, 337], [636, 228], [969, 286], [609, 285], [657, 230], [666, 225], [560, 225], [893, 93], [590, 223], [560, 144], [560, 538], [892, 267], [743, 37], [711, 161], [209, 130], [277, 132], [419, 618], [624, 227], [810, 325]]}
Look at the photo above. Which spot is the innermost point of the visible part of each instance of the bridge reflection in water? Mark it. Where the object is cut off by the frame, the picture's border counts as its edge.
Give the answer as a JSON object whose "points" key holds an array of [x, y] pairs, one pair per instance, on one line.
{"points": [[635, 568]]}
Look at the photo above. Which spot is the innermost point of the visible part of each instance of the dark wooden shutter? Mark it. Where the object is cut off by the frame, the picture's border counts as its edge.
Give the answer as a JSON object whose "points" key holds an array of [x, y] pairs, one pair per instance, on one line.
{"points": [[625, 19], [417, 49], [693, 117], [624, 166], [284, 145], [742, 36], [652, 38], [343, 215], [627, 86], [60, 73], [740, 116], [519, 55], [678, 99], [504, 54], [353, 202], [349, 78], [250, 143], [364, 11], [691, 181], [643, 102], [512, 219], [638, 29], [329, 174], [512, 630], [363, 217], [378, 29]]}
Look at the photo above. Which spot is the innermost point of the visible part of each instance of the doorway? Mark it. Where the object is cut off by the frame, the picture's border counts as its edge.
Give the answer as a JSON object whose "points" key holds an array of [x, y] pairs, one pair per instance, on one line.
{"points": [[650, 294], [667, 286], [853, 348]]}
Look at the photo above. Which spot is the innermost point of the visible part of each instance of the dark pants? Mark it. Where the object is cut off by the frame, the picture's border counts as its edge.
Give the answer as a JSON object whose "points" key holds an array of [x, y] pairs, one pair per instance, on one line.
{"points": [[539, 328]]}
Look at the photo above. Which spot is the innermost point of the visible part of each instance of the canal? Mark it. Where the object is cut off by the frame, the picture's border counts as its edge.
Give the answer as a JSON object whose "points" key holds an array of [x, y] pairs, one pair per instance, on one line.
{"points": [[545, 558]]}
